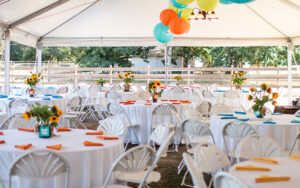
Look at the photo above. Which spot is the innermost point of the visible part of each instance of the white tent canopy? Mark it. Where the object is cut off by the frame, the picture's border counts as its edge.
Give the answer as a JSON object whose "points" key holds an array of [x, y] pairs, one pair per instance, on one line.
{"points": [[131, 23]]}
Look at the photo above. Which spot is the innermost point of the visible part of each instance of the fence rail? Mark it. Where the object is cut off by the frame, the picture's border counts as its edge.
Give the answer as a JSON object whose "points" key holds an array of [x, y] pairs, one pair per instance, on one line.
{"points": [[62, 73]]}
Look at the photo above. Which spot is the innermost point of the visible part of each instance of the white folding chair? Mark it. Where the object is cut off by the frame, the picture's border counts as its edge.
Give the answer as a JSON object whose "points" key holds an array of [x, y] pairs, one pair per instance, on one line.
{"points": [[195, 172], [112, 96], [8, 122], [226, 180], [207, 95], [297, 113], [191, 113], [131, 97], [117, 110], [16, 106], [73, 112], [90, 102], [3, 107], [62, 90], [293, 146], [257, 146], [210, 158], [204, 108], [159, 135], [144, 95], [115, 88], [219, 109], [235, 130], [231, 98], [177, 93], [40, 164]]}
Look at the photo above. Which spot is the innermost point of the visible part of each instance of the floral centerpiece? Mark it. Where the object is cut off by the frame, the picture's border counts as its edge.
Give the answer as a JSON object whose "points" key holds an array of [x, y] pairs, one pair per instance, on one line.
{"points": [[101, 82], [153, 87], [32, 82], [261, 97], [47, 117], [179, 79], [238, 79], [127, 79]]}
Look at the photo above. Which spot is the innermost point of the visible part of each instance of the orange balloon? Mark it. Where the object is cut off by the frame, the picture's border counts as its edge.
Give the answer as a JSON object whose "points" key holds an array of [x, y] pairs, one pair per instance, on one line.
{"points": [[167, 15], [178, 26], [188, 27]]}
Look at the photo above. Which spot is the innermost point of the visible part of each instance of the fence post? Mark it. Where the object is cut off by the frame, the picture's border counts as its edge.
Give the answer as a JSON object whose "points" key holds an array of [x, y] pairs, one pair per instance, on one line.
{"points": [[231, 84], [277, 77], [76, 74], [110, 74], [49, 74], [12, 73], [189, 74], [148, 74]]}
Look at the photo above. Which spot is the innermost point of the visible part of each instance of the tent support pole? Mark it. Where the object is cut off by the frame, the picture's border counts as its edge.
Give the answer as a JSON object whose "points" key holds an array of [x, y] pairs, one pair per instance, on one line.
{"points": [[166, 65], [7, 60], [290, 72], [39, 48]]}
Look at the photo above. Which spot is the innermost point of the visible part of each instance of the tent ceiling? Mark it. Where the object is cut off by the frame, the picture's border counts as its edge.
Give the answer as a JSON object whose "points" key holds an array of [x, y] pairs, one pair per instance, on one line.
{"points": [[131, 22]]}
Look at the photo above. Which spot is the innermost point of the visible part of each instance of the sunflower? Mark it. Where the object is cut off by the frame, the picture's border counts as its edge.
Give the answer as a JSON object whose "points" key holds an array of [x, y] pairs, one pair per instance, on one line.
{"points": [[274, 103], [55, 108], [269, 90], [132, 76], [26, 116], [264, 86], [119, 76], [126, 75], [158, 83], [275, 95], [154, 86], [34, 76], [54, 119], [98, 82], [26, 81], [59, 113], [250, 97], [30, 79], [252, 89]]}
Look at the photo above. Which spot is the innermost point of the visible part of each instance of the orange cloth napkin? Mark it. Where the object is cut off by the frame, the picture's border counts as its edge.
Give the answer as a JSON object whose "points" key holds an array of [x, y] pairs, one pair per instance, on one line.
{"points": [[63, 129], [163, 100], [265, 178], [88, 143], [173, 100], [176, 103], [94, 133], [56, 147], [148, 100], [24, 147], [2, 141], [252, 168], [187, 101], [108, 137], [265, 160], [148, 104], [296, 157], [103, 91], [130, 101], [1, 133], [24, 129]]}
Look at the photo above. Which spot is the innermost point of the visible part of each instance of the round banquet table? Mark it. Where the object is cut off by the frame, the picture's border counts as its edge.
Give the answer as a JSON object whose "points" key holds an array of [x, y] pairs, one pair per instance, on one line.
{"points": [[283, 132], [89, 166], [286, 167], [141, 114]]}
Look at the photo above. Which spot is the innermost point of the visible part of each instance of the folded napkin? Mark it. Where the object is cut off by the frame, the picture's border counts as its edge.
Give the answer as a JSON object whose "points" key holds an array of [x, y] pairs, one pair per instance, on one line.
{"points": [[57, 96], [187, 101], [46, 99], [2, 141], [24, 129], [173, 100], [103, 91], [148, 104], [60, 129], [295, 121], [298, 116], [88, 143], [56, 147], [296, 157], [229, 117], [241, 113], [275, 114], [163, 100], [245, 91], [128, 103], [265, 178], [225, 114], [94, 133], [18, 95], [131, 101], [252, 168], [176, 103], [1, 133], [48, 95], [265, 160], [51, 87], [269, 122], [219, 90], [3, 96], [108, 137], [24, 147], [10, 98], [240, 119]]}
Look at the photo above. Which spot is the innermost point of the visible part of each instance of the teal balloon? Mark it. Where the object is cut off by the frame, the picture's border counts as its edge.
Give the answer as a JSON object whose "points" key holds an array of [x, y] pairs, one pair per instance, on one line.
{"points": [[178, 5], [161, 34]]}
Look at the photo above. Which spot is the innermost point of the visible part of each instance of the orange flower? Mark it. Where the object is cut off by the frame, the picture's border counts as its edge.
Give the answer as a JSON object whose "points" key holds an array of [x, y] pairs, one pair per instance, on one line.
{"points": [[274, 103], [264, 86], [250, 97], [59, 113], [26, 116], [54, 119], [252, 89], [275, 95], [269, 90]]}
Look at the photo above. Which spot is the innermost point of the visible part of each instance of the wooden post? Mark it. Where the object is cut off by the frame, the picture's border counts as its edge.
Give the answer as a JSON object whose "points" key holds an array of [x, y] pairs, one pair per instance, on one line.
{"points": [[49, 71], [189, 74], [277, 77], [230, 76], [110, 74], [148, 74], [76, 74]]}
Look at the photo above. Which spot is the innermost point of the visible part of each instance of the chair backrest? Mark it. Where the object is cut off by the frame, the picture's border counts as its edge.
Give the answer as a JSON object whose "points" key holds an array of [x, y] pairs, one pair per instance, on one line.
{"points": [[207, 94], [93, 91], [191, 113], [7, 123], [159, 134], [62, 90], [133, 160], [195, 172], [192, 128], [115, 88], [204, 107], [74, 102], [292, 148], [210, 158], [219, 109], [111, 94], [3, 107], [177, 93], [297, 113], [164, 110], [40, 164], [236, 130], [18, 106], [144, 95], [130, 97], [231, 94], [257, 146], [226, 180], [113, 126], [117, 110]]}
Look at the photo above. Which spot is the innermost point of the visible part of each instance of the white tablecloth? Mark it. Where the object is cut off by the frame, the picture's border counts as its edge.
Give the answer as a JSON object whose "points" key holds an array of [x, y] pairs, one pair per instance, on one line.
{"points": [[285, 167], [283, 132], [141, 114], [89, 166]]}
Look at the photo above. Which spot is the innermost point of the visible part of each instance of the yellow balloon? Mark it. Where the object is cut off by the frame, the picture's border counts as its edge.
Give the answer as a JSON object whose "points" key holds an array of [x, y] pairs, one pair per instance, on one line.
{"points": [[185, 2], [207, 5], [186, 13], [177, 10]]}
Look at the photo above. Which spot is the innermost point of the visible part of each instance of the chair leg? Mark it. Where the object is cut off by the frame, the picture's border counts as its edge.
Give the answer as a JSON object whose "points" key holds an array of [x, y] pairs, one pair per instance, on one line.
{"points": [[133, 130], [180, 166], [183, 180]]}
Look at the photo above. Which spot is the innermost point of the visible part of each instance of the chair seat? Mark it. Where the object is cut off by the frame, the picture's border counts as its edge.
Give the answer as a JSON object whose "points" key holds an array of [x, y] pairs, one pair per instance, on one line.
{"points": [[196, 140], [137, 177], [115, 186], [170, 125]]}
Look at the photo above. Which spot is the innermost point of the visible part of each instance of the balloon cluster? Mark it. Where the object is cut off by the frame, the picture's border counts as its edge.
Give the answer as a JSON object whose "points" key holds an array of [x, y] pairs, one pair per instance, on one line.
{"points": [[175, 19]]}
